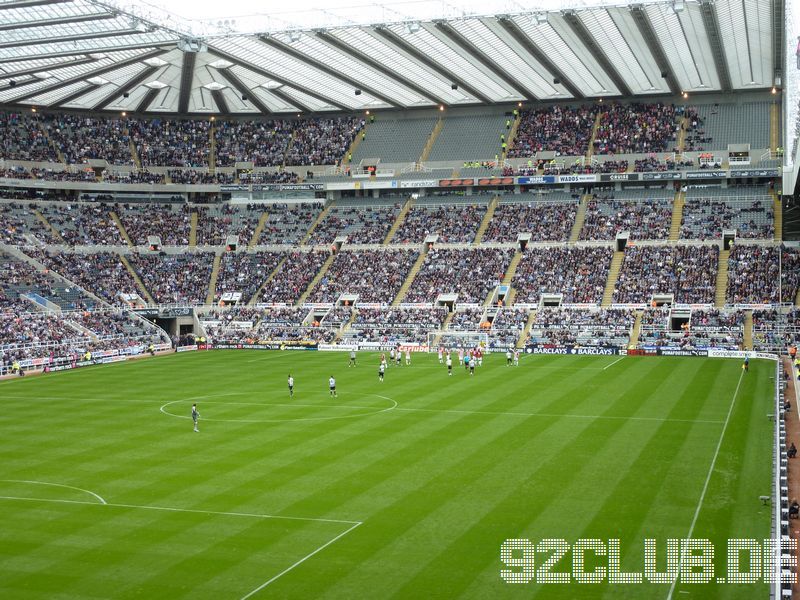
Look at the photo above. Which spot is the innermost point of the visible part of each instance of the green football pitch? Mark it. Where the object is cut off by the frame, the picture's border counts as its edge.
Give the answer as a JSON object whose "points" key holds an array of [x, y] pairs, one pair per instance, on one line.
{"points": [[401, 489]]}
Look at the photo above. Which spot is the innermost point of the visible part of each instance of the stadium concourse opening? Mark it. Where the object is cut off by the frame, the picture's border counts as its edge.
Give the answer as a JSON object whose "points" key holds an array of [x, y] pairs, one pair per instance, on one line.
{"points": [[387, 245]]}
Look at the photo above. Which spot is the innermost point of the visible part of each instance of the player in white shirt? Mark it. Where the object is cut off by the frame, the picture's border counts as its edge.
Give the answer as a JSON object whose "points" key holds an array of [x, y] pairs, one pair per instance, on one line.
{"points": [[441, 355], [449, 365], [516, 358], [381, 371], [391, 355], [332, 385], [290, 383], [460, 356], [508, 357], [408, 357]]}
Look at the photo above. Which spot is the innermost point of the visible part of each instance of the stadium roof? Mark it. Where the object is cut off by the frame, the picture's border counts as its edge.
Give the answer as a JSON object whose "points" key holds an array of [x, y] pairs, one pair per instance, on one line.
{"points": [[119, 56]]}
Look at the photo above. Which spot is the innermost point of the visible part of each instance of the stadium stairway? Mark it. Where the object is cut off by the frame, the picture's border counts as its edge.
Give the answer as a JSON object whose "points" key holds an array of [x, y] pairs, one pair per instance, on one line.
{"points": [[317, 278], [212, 282], [262, 222], [635, 331], [254, 300], [613, 276], [526, 331], [355, 144], [346, 326], [778, 217], [677, 216], [288, 149], [681, 141], [748, 330], [48, 226], [53, 144], [401, 294], [212, 149], [84, 331], [193, 230], [426, 151], [774, 126], [722, 278], [144, 292], [580, 217], [513, 133], [508, 276], [401, 216], [320, 217], [797, 298], [115, 217], [485, 222], [137, 162], [595, 127], [445, 327]]}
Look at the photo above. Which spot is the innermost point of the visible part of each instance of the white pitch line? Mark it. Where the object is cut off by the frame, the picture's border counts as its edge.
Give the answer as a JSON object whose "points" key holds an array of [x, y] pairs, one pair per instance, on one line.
{"points": [[710, 472], [522, 414], [299, 562], [613, 363], [70, 487], [182, 510]]}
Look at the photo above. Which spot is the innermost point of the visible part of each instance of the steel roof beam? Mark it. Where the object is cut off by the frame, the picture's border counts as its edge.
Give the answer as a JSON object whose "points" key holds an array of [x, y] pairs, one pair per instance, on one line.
{"points": [[187, 76], [240, 87], [127, 87], [654, 45], [594, 49], [219, 100], [57, 21], [711, 24], [70, 38]]}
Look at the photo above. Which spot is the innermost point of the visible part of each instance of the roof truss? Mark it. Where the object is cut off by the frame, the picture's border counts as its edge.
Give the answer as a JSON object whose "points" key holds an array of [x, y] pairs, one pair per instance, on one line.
{"points": [[650, 38], [714, 38], [244, 91]]}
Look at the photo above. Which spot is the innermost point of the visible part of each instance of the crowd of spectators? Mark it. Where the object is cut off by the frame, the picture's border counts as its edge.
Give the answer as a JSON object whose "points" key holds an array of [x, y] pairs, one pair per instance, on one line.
{"points": [[22, 138], [470, 273], [652, 163], [688, 272], [707, 328], [293, 277], [636, 128], [288, 224], [143, 176], [395, 325], [564, 130], [645, 219], [753, 275], [706, 218], [215, 223], [171, 142], [362, 224], [790, 274], [194, 177], [322, 141], [170, 222], [82, 224], [244, 273], [102, 273], [545, 221], [264, 143], [174, 278], [263, 177], [453, 224], [578, 273], [374, 276], [561, 326], [81, 137]]}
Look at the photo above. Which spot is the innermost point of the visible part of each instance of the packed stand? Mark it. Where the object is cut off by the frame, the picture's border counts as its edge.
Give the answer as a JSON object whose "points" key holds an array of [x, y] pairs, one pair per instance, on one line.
{"points": [[374, 276], [361, 225], [470, 273], [636, 128], [707, 217], [507, 327], [569, 327], [215, 223], [143, 176], [753, 275], [21, 138], [244, 273], [288, 224], [170, 222], [81, 137], [790, 274], [264, 143], [647, 218], [688, 272], [545, 221], [264, 177], [564, 130], [707, 328], [293, 277], [82, 224], [171, 143], [578, 273], [192, 177], [174, 279], [454, 224], [396, 325], [322, 141]]}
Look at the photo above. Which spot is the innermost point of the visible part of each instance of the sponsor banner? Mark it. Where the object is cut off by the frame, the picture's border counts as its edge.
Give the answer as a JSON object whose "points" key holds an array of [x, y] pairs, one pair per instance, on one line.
{"points": [[405, 305], [112, 359], [418, 183], [641, 352], [337, 348], [585, 350], [268, 346], [165, 313], [662, 176], [456, 182], [679, 352], [715, 353], [754, 306], [187, 348], [286, 187], [576, 178], [755, 173], [628, 306], [414, 347], [532, 179], [234, 188], [496, 181], [709, 174], [619, 176], [340, 185], [373, 185]]}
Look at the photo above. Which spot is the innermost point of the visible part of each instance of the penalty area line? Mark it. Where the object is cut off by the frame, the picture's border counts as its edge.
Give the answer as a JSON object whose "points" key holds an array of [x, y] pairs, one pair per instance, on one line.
{"points": [[299, 562], [613, 363]]}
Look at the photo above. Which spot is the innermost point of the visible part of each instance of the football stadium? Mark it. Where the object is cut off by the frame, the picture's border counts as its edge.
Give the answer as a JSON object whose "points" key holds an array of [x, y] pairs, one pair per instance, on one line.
{"points": [[405, 299]]}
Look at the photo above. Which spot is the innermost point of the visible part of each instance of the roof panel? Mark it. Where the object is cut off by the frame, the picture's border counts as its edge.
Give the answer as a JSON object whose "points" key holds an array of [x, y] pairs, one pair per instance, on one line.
{"points": [[54, 96], [255, 83], [558, 44], [491, 39], [686, 46], [746, 30], [442, 51], [398, 61]]}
